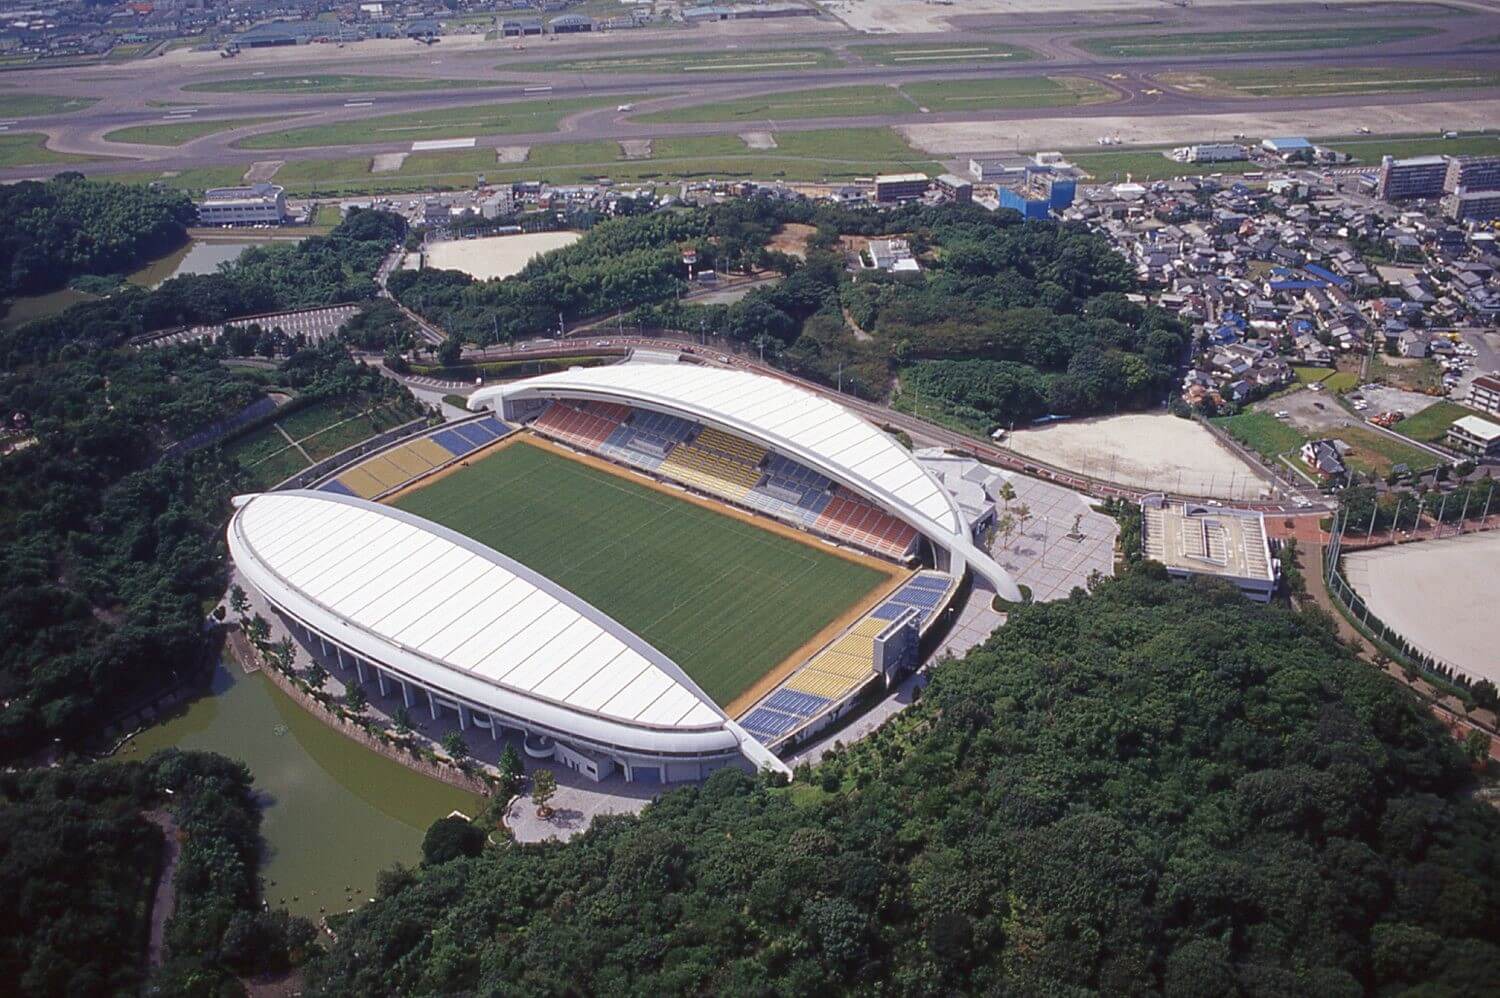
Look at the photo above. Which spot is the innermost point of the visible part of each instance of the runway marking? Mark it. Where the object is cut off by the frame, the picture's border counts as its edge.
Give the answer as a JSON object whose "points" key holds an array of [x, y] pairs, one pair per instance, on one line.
{"points": [[950, 58], [359, 103], [748, 65], [428, 145]]}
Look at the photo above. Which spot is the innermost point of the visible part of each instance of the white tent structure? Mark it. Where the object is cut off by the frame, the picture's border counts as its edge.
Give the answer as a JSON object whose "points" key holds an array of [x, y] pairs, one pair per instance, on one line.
{"points": [[439, 615], [809, 429]]}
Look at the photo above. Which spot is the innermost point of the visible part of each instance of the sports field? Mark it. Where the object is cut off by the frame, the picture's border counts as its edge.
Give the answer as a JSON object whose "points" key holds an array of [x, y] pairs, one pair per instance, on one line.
{"points": [[724, 599]]}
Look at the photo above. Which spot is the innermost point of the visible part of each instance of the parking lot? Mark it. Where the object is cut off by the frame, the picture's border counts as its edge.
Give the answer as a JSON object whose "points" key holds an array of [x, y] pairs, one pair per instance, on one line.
{"points": [[317, 324]]}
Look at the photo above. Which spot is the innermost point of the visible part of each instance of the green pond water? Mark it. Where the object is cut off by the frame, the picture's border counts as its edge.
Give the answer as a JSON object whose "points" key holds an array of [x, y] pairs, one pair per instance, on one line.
{"points": [[335, 813], [196, 256]]}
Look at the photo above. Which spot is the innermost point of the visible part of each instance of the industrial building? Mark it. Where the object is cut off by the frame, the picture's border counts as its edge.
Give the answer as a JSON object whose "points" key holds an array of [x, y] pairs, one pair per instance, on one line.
{"points": [[257, 204], [1042, 191], [521, 27], [1289, 148], [1476, 436], [1217, 542], [994, 169], [1217, 152], [571, 24], [1417, 177], [891, 188], [955, 188]]}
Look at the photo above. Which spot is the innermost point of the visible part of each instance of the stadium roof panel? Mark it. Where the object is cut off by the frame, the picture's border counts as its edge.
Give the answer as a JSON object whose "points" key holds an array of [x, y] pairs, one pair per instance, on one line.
{"points": [[451, 614], [800, 424], [808, 428]]}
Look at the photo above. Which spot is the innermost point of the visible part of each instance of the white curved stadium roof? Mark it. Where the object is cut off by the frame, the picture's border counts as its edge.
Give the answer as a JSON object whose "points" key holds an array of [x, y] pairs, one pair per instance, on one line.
{"points": [[808, 428], [456, 616]]}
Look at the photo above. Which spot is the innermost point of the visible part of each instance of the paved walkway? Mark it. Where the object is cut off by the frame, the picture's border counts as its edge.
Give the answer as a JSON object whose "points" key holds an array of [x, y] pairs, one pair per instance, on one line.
{"points": [[1047, 556]]}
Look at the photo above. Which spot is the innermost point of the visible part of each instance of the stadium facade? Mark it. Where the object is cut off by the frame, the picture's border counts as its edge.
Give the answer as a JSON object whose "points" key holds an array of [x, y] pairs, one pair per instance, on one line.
{"points": [[448, 623], [467, 630]]}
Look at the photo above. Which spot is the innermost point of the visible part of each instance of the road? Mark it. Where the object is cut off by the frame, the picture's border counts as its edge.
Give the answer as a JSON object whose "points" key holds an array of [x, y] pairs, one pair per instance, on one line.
{"points": [[147, 92]]}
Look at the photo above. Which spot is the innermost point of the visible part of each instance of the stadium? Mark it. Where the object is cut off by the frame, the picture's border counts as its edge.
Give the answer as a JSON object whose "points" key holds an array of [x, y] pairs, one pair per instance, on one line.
{"points": [[644, 570]]}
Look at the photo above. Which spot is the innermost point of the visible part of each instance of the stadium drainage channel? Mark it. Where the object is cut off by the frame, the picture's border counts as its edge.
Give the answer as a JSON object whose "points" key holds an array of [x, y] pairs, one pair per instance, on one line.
{"points": [[334, 813]]}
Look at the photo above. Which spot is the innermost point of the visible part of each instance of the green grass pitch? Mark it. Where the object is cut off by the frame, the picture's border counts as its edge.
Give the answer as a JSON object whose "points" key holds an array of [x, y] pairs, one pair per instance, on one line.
{"points": [[725, 600]]}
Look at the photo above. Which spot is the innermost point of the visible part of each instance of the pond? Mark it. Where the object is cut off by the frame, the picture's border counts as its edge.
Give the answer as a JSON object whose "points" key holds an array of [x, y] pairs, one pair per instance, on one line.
{"points": [[335, 813], [196, 256], [496, 256], [30, 307]]}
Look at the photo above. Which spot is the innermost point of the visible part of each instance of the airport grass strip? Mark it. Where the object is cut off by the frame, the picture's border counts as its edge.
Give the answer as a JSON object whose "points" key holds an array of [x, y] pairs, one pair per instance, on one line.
{"points": [[175, 133], [1234, 42], [738, 60], [725, 600], [333, 83], [505, 118]]}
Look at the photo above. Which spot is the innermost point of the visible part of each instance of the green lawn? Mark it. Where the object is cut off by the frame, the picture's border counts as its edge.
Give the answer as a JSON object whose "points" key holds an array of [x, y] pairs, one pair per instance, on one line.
{"points": [[1431, 424], [333, 83], [507, 118], [746, 60], [725, 600], [27, 149], [1262, 433], [267, 456], [1233, 42], [22, 105], [1017, 92], [175, 133], [1372, 149], [1312, 81], [923, 54], [195, 180], [1372, 452]]}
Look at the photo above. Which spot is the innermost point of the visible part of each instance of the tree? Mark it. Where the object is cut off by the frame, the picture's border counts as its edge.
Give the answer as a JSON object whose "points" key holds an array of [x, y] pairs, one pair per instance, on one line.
{"points": [[260, 630], [543, 789], [450, 351], [1477, 746], [449, 839], [286, 653], [456, 747], [317, 676], [238, 601], [355, 698], [402, 720], [512, 770], [1007, 494]]}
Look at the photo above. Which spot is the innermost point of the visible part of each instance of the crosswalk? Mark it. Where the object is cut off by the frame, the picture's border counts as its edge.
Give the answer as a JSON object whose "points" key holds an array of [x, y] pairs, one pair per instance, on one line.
{"points": [[317, 324], [423, 381]]}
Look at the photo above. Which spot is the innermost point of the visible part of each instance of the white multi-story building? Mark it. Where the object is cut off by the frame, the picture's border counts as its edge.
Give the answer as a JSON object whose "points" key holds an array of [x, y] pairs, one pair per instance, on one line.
{"points": [[257, 204]]}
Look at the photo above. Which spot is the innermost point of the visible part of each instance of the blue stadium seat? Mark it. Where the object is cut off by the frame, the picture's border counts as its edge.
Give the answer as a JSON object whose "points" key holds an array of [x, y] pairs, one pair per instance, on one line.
{"points": [[453, 443], [793, 702]]}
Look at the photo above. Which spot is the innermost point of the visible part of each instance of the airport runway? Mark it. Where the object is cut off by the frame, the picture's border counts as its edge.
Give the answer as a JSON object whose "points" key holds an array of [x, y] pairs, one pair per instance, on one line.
{"points": [[145, 93]]}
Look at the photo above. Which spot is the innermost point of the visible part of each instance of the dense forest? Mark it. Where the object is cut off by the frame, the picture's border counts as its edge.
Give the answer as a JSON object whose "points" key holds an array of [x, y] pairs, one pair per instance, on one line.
{"points": [[80, 855], [69, 227], [318, 270], [112, 553], [1035, 311], [1154, 788]]}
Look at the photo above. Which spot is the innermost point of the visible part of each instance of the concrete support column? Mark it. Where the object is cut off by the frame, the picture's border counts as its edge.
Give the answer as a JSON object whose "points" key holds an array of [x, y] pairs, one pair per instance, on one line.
{"points": [[432, 705], [381, 682], [405, 693], [359, 668], [463, 718], [338, 656], [494, 729]]}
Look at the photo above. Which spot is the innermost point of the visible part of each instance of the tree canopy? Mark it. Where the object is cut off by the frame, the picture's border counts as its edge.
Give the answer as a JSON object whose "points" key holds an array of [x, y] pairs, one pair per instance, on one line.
{"points": [[1156, 787]]}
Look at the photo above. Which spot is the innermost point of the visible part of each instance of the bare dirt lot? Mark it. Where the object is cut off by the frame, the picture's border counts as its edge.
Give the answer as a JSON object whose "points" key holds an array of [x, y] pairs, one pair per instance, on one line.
{"points": [[1147, 451], [1412, 588]]}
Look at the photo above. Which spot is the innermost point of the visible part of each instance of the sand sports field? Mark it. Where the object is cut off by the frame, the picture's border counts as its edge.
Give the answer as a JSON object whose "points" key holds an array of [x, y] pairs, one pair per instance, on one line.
{"points": [[1439, 595], [495, 256], [1145, 450]]}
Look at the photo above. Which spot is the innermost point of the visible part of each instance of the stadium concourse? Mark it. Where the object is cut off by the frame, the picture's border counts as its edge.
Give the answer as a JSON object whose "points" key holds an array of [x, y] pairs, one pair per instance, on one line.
{"points": [[429, 612]]}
